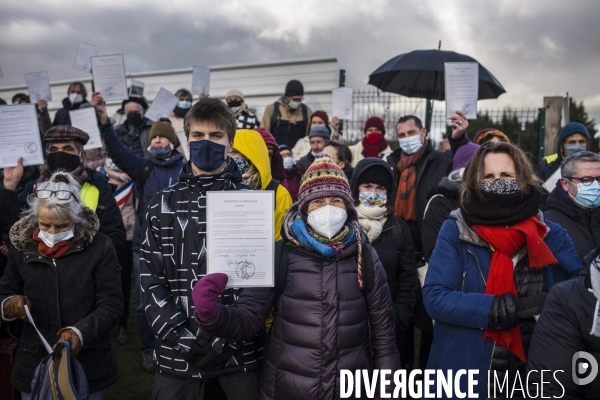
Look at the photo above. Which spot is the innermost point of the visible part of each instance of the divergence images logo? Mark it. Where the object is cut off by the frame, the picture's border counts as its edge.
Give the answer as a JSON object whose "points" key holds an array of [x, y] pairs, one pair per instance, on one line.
{"points": [[582, 364]]}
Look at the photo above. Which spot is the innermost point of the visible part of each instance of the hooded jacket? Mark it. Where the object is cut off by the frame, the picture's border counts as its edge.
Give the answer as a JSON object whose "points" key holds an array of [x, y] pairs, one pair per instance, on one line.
{"points": [[582, 224], [173, 258], [81, 288], [252, 146], [562, 330], [319, 326], [454, 296], [163, 173], [399, 264]]}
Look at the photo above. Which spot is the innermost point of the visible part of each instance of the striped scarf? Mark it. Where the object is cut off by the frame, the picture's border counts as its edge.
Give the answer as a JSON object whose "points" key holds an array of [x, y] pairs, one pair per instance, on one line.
{"points": [[405, 206]]}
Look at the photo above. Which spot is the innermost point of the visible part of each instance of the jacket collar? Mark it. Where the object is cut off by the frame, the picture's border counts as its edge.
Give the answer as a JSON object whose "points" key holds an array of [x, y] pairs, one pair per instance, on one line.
{"points": [[22, 231]]}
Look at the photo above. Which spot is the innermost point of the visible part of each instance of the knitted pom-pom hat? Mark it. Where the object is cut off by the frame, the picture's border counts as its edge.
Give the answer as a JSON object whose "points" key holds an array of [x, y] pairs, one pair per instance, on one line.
{"points": [[324, 178]]}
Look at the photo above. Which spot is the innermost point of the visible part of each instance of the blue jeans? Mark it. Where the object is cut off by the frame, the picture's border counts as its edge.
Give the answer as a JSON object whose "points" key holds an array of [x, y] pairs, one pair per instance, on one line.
{"points": [[146, 334], [92, 396]]}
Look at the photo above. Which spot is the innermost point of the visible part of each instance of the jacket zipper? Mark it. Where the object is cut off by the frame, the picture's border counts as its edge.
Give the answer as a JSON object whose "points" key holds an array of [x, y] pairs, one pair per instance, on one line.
{"points": [[462, 286], [478, 266], [57, 289]]}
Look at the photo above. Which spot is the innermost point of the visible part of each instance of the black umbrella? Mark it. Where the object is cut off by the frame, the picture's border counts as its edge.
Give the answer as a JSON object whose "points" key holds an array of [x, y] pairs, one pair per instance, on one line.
{"points": [[420, 73]]}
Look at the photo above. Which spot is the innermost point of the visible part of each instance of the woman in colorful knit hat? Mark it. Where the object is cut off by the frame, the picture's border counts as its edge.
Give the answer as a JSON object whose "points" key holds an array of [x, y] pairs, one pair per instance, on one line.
{"points": [[334, 310]]}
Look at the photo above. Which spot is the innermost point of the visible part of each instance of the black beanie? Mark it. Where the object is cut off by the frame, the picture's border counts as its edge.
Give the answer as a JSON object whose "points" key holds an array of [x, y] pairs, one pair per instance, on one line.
{"points": [[377, 175], [294, 88]]}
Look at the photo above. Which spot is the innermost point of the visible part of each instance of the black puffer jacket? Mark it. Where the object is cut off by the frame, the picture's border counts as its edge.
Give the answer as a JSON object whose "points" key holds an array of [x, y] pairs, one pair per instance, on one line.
{"points": [[137, 138], [82, 289], [173, 259], [582, 224], [562, 330]]}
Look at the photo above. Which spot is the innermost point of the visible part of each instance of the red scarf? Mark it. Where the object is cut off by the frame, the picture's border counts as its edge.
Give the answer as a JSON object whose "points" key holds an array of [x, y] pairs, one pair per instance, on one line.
{"points": [[59, 249], [405, 206], [506, 242], [373, 150]]}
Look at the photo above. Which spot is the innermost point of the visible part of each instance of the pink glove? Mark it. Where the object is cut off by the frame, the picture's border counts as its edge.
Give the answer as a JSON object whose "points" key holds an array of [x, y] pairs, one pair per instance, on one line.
{"points": [[205, 295]]}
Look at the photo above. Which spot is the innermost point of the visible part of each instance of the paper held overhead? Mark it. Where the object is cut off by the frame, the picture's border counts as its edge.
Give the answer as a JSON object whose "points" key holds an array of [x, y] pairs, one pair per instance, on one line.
{"points": [[85, 119], [462, 88], [342, 103], [163, 105], [200, 81], [19, 135], [85, 52], [137, 88], [109, 77], [38, 85]]}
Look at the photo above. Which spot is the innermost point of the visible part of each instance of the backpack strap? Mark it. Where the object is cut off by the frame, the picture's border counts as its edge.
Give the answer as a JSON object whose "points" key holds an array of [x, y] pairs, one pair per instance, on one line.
{"points": [[368, 270], [140, 185], [282, 252], [304, 112], [273, 185], [397, 232], [275, 118]]}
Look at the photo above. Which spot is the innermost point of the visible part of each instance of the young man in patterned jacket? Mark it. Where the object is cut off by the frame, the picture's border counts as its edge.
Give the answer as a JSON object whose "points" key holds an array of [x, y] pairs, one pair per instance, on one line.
{"points": [[173, 259]]}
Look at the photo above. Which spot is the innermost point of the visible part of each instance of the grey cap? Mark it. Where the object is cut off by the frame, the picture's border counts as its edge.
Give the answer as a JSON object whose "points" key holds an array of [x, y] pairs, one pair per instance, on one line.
{"points": [[319, 131]]}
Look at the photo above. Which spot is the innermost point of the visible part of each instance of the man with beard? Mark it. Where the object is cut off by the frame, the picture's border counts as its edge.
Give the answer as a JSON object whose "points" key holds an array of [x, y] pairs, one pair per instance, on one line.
{"points": [[134, 132], [64, 152]]}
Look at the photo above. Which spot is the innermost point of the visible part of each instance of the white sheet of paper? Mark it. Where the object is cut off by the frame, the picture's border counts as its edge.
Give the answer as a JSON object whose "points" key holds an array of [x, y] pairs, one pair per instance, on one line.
{"points": [[200, 81], [1, 74], [85, 52], [550, 184], [241, 242], [183, 141], [109, 77], [342, 103], [163, 105], [85, 119], [38, 85], [30, 318], [20, 135], [462, 88]]}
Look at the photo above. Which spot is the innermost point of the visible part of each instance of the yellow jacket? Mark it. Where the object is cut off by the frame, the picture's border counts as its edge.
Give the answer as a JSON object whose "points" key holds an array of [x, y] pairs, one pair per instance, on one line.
{"points": [[253, 147]]}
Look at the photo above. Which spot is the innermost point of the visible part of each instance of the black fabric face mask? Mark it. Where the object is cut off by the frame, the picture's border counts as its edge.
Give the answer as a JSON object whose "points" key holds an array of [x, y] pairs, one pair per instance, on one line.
{"points": [[59, 160], [234, 103], [180, 112]]}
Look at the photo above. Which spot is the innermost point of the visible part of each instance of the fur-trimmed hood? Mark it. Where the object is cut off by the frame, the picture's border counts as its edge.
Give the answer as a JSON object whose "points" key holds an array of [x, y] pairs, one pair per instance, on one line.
{"points": [[21, 233]]}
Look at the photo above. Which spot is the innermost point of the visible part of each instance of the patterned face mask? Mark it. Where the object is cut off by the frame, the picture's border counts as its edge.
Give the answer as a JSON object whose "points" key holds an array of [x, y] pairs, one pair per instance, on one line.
{"points": [[242, 163], [500, 186], [372, 199]]}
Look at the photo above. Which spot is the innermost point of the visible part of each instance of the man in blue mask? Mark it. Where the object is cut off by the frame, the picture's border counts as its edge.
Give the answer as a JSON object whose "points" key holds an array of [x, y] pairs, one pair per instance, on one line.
{"points": [[173, 259], [134, 132], [573, 204]]}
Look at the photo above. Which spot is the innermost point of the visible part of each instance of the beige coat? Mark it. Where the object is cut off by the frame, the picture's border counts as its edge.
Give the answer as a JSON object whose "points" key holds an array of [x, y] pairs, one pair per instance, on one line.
{"points": [[357, 149]]}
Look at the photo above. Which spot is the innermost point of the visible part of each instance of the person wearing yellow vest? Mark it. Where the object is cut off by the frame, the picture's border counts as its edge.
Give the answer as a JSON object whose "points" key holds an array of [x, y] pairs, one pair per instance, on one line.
{"points": [[64, 152]]}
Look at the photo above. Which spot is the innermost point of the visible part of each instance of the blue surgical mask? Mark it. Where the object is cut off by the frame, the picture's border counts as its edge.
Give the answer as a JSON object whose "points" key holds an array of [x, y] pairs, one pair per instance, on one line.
{"points": [[242, 164], [588, 195], [372, 199], [184, 104], [316, 155], [411, 144], [161, 153], [207, 155], [571, 149], [288, 163]]}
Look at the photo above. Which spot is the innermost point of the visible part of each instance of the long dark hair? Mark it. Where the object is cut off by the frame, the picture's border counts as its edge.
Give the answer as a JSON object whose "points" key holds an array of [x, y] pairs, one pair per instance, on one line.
{"points": [[474, 170]]}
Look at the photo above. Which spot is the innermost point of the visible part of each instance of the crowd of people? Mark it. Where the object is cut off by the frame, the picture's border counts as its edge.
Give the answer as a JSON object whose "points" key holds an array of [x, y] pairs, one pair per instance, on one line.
{"points": [[464, 245]]}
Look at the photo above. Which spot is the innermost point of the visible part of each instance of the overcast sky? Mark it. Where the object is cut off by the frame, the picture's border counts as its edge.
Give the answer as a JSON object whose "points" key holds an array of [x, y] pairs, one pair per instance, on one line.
{"points": [[534, 48]]}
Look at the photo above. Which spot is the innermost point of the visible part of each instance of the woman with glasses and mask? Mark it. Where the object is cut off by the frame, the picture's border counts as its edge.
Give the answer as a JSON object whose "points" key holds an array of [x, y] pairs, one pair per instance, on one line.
{"points": [[373, 194], [493, 263], [324, 321], [67, 273]]}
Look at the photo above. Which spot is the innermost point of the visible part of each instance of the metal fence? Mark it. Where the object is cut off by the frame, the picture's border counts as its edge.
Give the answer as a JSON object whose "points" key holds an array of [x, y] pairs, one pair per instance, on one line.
{"points": [[520, 125]]}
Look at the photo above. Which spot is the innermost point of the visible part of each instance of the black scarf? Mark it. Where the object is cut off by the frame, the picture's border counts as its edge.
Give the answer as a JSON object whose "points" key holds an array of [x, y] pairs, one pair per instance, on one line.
{"points": [[501, 209], [230, 178], [180, 112]]}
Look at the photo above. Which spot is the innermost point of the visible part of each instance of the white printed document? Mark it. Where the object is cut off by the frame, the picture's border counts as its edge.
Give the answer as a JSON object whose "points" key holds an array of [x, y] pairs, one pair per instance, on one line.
{"points": [[20, 135], [109, 77], [462, 88]]}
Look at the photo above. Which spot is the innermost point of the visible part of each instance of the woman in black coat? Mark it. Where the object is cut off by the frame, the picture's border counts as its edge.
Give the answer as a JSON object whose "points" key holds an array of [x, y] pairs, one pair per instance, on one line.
{"points": [[67, 273], [373, 193]]}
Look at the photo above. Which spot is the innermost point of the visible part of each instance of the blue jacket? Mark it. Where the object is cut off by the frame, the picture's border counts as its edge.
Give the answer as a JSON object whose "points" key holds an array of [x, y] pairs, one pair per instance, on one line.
{"points": [[454, 295], [164, 173]]}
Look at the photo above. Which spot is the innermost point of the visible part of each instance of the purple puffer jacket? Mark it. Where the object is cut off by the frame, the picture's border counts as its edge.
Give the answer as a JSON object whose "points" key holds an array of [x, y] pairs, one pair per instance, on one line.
{"points": [[319, 326]]}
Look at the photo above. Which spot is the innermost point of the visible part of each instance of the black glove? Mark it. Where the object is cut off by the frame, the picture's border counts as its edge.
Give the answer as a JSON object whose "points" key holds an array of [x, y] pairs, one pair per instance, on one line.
{"points": [[503, 314], [527, 307]]}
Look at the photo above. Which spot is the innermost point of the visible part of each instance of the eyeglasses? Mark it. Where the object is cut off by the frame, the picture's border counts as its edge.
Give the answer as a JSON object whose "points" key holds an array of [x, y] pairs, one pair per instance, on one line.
{"points": [[586, 180], [60, 194]]}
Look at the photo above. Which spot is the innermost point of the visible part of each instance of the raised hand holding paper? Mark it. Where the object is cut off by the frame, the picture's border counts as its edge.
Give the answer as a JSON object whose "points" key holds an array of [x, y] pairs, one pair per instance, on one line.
{"points": [[342, 103], [85, 119], [462, 88], [38, 85], [109, 77], [85, 52], [19, 135], [200, 80], [163, 105]]}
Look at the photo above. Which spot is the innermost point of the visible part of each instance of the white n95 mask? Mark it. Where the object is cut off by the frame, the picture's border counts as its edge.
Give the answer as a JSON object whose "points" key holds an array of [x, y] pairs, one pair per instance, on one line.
{"points": [[327, 221]]}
